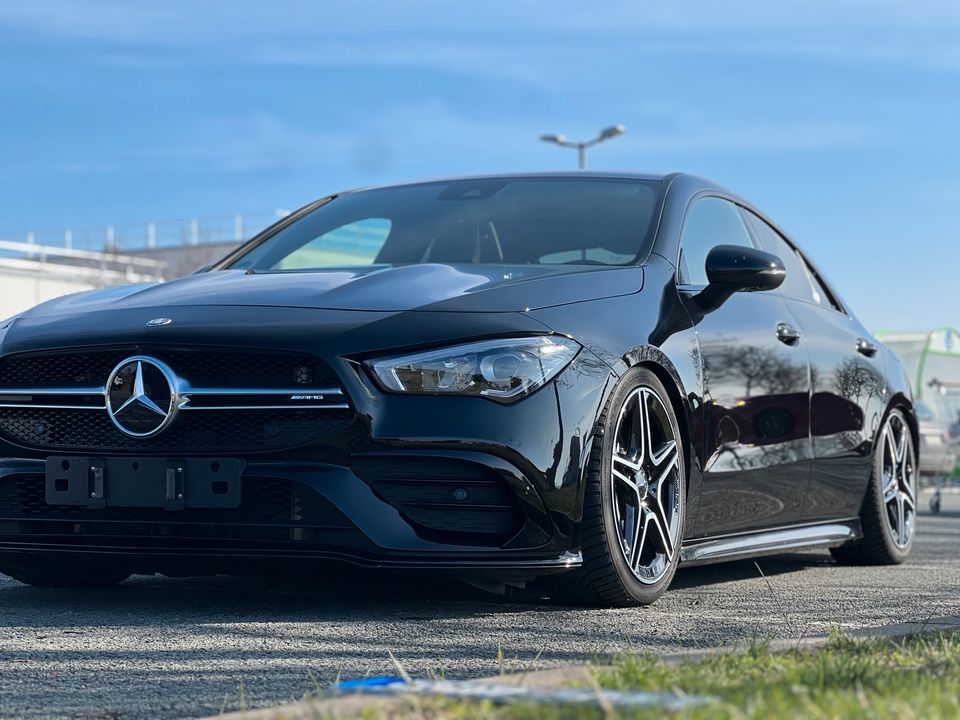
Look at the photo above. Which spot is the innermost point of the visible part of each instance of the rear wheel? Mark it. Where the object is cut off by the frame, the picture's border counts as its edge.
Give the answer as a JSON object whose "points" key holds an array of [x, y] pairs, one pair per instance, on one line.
{"points": [[73, 574], [889, 511], [633, 514]]}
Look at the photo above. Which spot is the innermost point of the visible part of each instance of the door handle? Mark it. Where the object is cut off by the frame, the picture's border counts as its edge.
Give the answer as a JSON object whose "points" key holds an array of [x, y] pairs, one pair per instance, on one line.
{"points": [[865, 347], [787, 334]]}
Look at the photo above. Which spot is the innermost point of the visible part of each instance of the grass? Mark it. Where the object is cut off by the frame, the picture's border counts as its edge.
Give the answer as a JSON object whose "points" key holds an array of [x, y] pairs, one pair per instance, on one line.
{"points": [[914, 678]]}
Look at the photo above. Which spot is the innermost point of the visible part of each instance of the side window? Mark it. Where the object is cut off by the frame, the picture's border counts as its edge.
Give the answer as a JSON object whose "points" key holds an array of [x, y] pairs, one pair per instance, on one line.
{"points": [[357, 243], [796, 284], [820, 292], [710, 222]]}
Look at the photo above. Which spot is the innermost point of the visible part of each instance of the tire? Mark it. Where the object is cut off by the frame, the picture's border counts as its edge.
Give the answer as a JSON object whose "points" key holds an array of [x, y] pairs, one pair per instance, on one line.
{"points": [[73, 574], [616, 571], [889, 511]]}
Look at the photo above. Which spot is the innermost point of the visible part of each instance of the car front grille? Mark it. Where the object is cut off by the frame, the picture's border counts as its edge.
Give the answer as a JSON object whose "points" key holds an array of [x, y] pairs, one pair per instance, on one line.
{"points": [[213, 367], [242, 415]]}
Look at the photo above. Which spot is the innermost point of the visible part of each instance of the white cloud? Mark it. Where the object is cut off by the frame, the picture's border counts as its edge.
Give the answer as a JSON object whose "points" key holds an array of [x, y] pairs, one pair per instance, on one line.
{"points": [[502, 36]]}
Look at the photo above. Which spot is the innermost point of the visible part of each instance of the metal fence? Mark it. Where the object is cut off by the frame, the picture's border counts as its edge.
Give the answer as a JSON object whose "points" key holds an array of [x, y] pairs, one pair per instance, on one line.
{"points": [[100, 267], [127, 237]]}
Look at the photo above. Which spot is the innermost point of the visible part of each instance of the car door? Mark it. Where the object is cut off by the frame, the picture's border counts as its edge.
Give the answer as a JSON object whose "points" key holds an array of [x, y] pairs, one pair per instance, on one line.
{"points": [[848, 386], [755, 383]]}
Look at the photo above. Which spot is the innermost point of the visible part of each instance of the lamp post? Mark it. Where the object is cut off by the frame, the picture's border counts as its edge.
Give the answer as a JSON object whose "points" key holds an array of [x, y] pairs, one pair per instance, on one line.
{"points": [[605, 134]]}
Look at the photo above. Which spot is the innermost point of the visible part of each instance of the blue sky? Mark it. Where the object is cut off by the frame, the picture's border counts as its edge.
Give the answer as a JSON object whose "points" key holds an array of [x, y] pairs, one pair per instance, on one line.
{"points": [[840, 119]]}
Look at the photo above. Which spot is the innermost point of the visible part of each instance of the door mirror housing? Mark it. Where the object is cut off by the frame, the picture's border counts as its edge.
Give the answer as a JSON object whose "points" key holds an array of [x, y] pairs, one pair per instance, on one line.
{"points": [[744, 269]]}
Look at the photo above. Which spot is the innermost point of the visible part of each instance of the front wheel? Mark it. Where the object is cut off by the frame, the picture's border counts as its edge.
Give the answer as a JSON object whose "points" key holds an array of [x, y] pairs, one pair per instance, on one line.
{"points": [[889, 511], [634, 501]]}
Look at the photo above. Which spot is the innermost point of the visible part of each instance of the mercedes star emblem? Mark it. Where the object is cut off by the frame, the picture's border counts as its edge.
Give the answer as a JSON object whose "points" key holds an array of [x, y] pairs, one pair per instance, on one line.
{"points": [[141, 396]]}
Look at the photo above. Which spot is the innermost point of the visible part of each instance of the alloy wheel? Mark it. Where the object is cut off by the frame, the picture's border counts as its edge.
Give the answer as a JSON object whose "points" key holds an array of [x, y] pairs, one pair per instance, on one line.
{"points": [[645, 483], [899, 480]]}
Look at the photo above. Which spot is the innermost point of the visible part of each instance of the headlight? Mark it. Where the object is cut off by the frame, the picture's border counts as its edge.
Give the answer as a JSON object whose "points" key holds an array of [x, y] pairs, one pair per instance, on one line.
{"points": [[503, 370]]}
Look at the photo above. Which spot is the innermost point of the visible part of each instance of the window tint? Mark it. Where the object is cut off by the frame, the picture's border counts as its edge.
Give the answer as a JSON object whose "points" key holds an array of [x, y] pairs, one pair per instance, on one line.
{"points": [[800, 282], [711, 222], [820, 292], [356, 243], [577, 221]]}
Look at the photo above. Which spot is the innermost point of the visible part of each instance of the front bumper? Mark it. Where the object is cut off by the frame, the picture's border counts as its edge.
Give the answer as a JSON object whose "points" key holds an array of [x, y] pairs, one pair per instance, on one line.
{"points": [[433, 483]]}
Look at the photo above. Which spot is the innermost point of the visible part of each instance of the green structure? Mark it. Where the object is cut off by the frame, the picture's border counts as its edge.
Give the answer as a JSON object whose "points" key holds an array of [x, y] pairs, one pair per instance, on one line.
{"points": [[932, 360]]}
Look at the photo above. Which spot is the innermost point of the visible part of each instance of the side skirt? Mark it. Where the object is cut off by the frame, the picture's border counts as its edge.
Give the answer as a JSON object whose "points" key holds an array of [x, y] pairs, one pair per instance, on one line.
{"points": [[770, 542]]}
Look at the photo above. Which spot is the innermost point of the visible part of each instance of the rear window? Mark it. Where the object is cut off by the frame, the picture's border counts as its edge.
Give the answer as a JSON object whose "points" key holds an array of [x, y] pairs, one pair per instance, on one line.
{"points": [[544, 221]]}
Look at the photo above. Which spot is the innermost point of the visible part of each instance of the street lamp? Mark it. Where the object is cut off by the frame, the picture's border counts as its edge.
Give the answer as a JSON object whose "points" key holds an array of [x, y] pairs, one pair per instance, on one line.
{"points": [[605, 134]]}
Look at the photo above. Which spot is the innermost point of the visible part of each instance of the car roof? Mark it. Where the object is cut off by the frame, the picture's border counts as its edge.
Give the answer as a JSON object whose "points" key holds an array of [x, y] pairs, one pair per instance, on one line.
{"points": [[597, 174]]}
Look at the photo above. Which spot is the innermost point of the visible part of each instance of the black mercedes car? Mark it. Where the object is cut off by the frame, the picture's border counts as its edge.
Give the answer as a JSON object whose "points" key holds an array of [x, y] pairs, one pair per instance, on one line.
{"points": [[588, 379]]}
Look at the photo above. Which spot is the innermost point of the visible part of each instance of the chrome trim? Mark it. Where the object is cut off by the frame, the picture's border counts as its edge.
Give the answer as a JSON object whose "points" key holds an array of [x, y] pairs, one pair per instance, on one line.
{"points": [[736, 546], [67, 392], [185, 389], [187, 394], [51, 392], [304, 406], [184, 394], [21, 406]]}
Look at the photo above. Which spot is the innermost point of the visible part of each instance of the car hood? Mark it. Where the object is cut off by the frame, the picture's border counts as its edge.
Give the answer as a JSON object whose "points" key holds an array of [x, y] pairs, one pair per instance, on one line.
{"points": [[428, 287]]}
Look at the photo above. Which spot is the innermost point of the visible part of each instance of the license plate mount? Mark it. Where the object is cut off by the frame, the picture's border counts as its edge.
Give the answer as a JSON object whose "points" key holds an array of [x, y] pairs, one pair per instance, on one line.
{"points": [[144, 482]]}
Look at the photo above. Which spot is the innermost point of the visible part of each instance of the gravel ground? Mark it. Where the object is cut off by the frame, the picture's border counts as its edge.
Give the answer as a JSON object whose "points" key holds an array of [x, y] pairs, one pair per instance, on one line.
{"points": [[167, 648]]}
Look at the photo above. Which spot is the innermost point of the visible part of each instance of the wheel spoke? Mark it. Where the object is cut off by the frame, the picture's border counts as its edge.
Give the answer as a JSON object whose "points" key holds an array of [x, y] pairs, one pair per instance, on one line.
{"points": [[901, 521], [639, 537], [664, 533], [625, 479], [624, 460], [637, 429], [664, 470], [907, 488], [908, 500], [890, 488], [645, 423], [890, 445], [667, 454], [900, 446]]}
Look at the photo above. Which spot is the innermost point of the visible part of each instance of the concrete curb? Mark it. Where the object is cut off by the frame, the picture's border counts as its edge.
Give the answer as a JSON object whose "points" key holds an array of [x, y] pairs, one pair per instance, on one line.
{"points": [[352, 706]]}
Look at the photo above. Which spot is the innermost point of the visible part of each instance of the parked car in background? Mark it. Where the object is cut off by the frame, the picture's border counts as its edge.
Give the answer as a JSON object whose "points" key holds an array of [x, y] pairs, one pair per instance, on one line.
{"points": [[938, 447], [587, 377]]}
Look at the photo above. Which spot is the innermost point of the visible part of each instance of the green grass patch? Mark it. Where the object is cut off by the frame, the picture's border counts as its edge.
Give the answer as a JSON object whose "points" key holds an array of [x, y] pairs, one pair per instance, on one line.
{"points": [[914, 678]]}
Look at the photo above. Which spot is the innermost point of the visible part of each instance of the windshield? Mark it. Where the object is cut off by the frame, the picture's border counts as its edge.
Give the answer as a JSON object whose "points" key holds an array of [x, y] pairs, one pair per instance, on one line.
{"points": [[545, 221]]}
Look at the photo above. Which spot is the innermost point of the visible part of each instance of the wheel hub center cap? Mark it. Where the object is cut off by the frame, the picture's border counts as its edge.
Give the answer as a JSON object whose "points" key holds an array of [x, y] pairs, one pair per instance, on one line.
{"points": [[642, 481]]}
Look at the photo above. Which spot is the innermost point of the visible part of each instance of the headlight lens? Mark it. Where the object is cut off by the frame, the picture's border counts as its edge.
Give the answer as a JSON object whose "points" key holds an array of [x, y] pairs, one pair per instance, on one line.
{"points": [[503, 370]]}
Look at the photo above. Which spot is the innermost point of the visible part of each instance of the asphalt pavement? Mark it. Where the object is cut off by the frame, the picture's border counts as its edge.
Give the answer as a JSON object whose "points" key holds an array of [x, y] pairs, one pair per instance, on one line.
{"points": [[169, 648]]}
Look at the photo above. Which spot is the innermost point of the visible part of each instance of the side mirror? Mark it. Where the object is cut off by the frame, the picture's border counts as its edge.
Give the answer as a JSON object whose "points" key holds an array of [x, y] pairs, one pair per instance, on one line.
{"points": [[735, 269]]}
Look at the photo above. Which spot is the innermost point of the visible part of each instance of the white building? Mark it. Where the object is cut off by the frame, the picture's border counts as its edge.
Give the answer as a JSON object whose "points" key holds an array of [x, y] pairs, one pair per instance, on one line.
{"points": [[31, 274]]}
